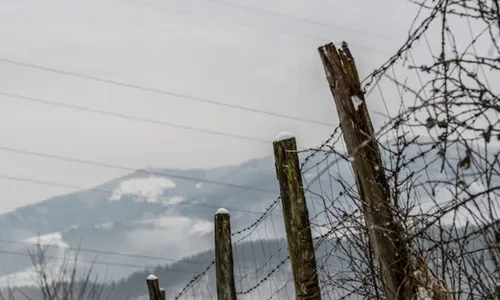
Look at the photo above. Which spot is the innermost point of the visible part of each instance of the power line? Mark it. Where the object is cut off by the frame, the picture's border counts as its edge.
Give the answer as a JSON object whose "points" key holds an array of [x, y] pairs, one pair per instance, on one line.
{"points": [[304, 20], [140, 119], [108, 192], [124, 168], [95, 262], [99, 251], [114, 253], [274, 30], [160, 91], [245, 229]]}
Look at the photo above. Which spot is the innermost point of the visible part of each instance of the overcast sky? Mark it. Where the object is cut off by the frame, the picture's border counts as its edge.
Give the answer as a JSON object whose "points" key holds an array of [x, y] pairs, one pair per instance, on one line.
{"points": [[200, 48]]}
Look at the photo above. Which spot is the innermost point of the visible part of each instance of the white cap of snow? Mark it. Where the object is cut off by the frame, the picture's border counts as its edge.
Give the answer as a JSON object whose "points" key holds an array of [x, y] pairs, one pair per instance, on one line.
{"points": [[222, 211], [152, 277], [284, 135]]}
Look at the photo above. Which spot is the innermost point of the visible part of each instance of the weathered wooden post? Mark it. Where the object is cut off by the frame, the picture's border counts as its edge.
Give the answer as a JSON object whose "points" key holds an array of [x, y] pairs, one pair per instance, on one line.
{"points": [[226, 289], [296, 217], [153, 288], [391, 252]]}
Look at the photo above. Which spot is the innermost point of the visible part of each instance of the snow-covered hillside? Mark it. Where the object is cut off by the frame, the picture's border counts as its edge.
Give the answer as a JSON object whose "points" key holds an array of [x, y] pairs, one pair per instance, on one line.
{"points": [[57, 249], [161, 216], [154, 212], [148, 189]]}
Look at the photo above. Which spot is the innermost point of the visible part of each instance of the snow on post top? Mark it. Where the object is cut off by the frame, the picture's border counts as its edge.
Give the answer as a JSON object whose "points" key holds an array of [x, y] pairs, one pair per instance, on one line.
{"points": [[152, 277], [284, 135], [222, 211]]}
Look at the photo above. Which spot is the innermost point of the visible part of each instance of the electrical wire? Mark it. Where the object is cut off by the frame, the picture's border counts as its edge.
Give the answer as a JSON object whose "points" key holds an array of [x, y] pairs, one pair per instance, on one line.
{"points": [[108, 192], [160, 91], [94, 262], [129, 117], [304, 20], [97, 251], [124, 168], [268, 29]]}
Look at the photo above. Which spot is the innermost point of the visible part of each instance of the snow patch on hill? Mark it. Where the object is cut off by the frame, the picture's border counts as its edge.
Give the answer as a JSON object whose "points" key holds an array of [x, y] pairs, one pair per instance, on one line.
{"points": [[53, 239], [31, 277], [105, 226], [177, 223], [60, 255], [178, 235], [201, 228], [145, 189], [173, 200], [26, 277]]}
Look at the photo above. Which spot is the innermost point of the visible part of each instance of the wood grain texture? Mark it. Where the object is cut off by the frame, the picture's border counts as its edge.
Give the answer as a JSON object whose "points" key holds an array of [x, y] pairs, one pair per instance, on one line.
{"points": [[296, 218], [385, 234], [224, 258]]}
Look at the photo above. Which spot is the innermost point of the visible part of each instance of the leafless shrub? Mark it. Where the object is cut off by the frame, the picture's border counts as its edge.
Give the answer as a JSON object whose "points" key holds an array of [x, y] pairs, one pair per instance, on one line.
{"points": [[441, 158], [58, 278]]}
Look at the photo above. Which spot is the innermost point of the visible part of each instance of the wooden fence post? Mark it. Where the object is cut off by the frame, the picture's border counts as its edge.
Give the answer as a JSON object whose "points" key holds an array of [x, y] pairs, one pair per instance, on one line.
{"points": [[296, 217], [226, 289], [154, 290], [386, 234]]}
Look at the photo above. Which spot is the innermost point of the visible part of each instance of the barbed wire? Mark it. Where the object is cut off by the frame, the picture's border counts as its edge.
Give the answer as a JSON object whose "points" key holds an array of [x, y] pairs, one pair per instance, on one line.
{"points": [[440, 160], [267, 277], [443, 171], [267, 211], [440, 156], [194, 280]]}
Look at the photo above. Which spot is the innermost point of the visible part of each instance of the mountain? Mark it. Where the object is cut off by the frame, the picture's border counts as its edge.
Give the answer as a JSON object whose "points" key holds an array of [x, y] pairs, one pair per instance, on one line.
{"points": [[158, 215], [161, 216], [154, 212], [262, 264], [262, 270]]}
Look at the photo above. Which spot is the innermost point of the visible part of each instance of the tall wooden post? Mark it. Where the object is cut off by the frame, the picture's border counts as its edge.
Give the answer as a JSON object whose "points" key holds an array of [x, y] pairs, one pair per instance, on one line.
{"points": [[386, 234], [153, 288], [373, 189], [226, 289], [296, 217]]}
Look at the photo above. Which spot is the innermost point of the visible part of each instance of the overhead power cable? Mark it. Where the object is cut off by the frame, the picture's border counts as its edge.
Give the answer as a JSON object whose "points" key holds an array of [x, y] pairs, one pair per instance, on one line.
{"points": [[98, 251], [129, 117], [304, 20], [130, 169], [160, 91], [317, 39], [108, 192], [94, 262]]}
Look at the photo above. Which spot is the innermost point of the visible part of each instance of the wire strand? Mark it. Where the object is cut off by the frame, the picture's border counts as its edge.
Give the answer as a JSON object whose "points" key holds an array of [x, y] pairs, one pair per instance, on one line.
{"points": [[98, 251], [108, 192], [124, 116], [96, 262], [304, 20], [130, 169], [160, 91]]}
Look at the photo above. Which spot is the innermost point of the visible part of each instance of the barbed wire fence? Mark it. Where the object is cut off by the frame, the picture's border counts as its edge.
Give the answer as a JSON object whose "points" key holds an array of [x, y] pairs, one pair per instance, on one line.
{"points": [[439, 140], [441, 153], [260, 256]]}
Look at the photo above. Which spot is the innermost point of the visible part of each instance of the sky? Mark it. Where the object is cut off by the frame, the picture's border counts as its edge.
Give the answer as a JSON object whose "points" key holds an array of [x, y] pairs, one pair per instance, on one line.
{"points": [[243, 53]]}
